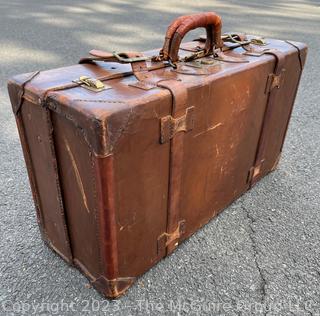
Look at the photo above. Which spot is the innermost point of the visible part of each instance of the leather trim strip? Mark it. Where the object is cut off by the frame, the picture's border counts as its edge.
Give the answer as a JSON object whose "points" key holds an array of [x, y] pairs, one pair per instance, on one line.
{"points": [[179, 104], [271, 103], [58, 185], [301, 69], [299, 53], [31, 174], [22, 91], [106, 209]]}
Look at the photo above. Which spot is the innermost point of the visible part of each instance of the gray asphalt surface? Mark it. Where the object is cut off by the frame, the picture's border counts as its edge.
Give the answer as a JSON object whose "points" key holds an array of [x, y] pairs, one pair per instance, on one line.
{"points": [[262, 251]]}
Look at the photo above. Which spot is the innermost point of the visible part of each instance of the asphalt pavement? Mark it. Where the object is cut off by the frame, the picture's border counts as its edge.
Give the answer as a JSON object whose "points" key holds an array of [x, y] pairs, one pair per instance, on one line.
{"points": [[261, 256]]}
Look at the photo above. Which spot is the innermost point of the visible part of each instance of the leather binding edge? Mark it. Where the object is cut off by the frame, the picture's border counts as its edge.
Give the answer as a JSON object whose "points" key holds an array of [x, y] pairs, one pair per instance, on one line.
{"points": [[108, 288], [112, 288], [16, 92], [301, 60], [108, 283]]}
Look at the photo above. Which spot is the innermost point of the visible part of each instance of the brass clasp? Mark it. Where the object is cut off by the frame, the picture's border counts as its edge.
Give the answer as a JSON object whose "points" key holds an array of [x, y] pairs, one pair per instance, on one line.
{"points": [[91, 84], [260, 41]]}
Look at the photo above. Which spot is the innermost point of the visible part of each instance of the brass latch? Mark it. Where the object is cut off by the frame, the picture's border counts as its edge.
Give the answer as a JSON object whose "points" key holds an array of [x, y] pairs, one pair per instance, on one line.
{"points": [[274, 81], [260, 41], [166, 239], [91, 84], [171, 126]]}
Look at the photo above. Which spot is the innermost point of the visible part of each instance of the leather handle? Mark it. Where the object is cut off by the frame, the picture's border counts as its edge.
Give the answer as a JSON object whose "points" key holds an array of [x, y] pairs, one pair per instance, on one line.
{"points": [[182, 25]]}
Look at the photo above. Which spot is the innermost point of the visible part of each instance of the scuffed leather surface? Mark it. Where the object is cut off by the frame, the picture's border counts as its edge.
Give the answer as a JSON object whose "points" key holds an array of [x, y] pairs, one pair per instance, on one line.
{"points": [[286, 249]]}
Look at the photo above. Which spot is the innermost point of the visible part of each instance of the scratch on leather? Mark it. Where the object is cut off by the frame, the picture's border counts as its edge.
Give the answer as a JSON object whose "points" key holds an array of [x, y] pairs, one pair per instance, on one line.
{"points": [[97, 101], [104, 136], [208, 129], [217, 150], [53, 105], [129, 223], [114, 137], [77, 174]]}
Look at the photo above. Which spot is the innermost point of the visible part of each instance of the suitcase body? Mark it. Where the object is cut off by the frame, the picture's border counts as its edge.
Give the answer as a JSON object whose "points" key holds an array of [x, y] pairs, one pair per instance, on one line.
{"points": [[122, 173]]}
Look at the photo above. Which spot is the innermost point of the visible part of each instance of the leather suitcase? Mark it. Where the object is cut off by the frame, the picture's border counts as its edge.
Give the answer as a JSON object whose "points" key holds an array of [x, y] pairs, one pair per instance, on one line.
{"points": [[129, 154]]}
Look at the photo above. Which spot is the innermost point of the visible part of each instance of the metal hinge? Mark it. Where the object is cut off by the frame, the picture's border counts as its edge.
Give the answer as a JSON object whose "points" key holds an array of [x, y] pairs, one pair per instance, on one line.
{"points": [[166, 239], [274, 81], [171, 126]]}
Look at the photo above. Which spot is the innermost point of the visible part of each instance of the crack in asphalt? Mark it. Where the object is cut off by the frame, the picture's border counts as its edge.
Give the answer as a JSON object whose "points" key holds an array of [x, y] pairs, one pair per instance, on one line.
{"points": [[255, 250], [260, 270]]}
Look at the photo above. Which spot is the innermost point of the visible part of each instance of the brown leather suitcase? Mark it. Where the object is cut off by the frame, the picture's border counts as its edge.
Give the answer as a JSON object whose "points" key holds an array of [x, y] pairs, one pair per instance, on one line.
{"points": [[129, 154]]}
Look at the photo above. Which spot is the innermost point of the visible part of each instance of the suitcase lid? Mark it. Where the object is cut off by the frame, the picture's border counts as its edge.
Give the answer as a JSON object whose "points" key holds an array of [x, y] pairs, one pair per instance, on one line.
{"points": [[120, 90], [88, 109]]}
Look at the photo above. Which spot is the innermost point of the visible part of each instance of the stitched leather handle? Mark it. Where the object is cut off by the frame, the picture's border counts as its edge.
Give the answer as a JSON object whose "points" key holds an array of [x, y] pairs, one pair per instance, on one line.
{"points": [[182, 25]]}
